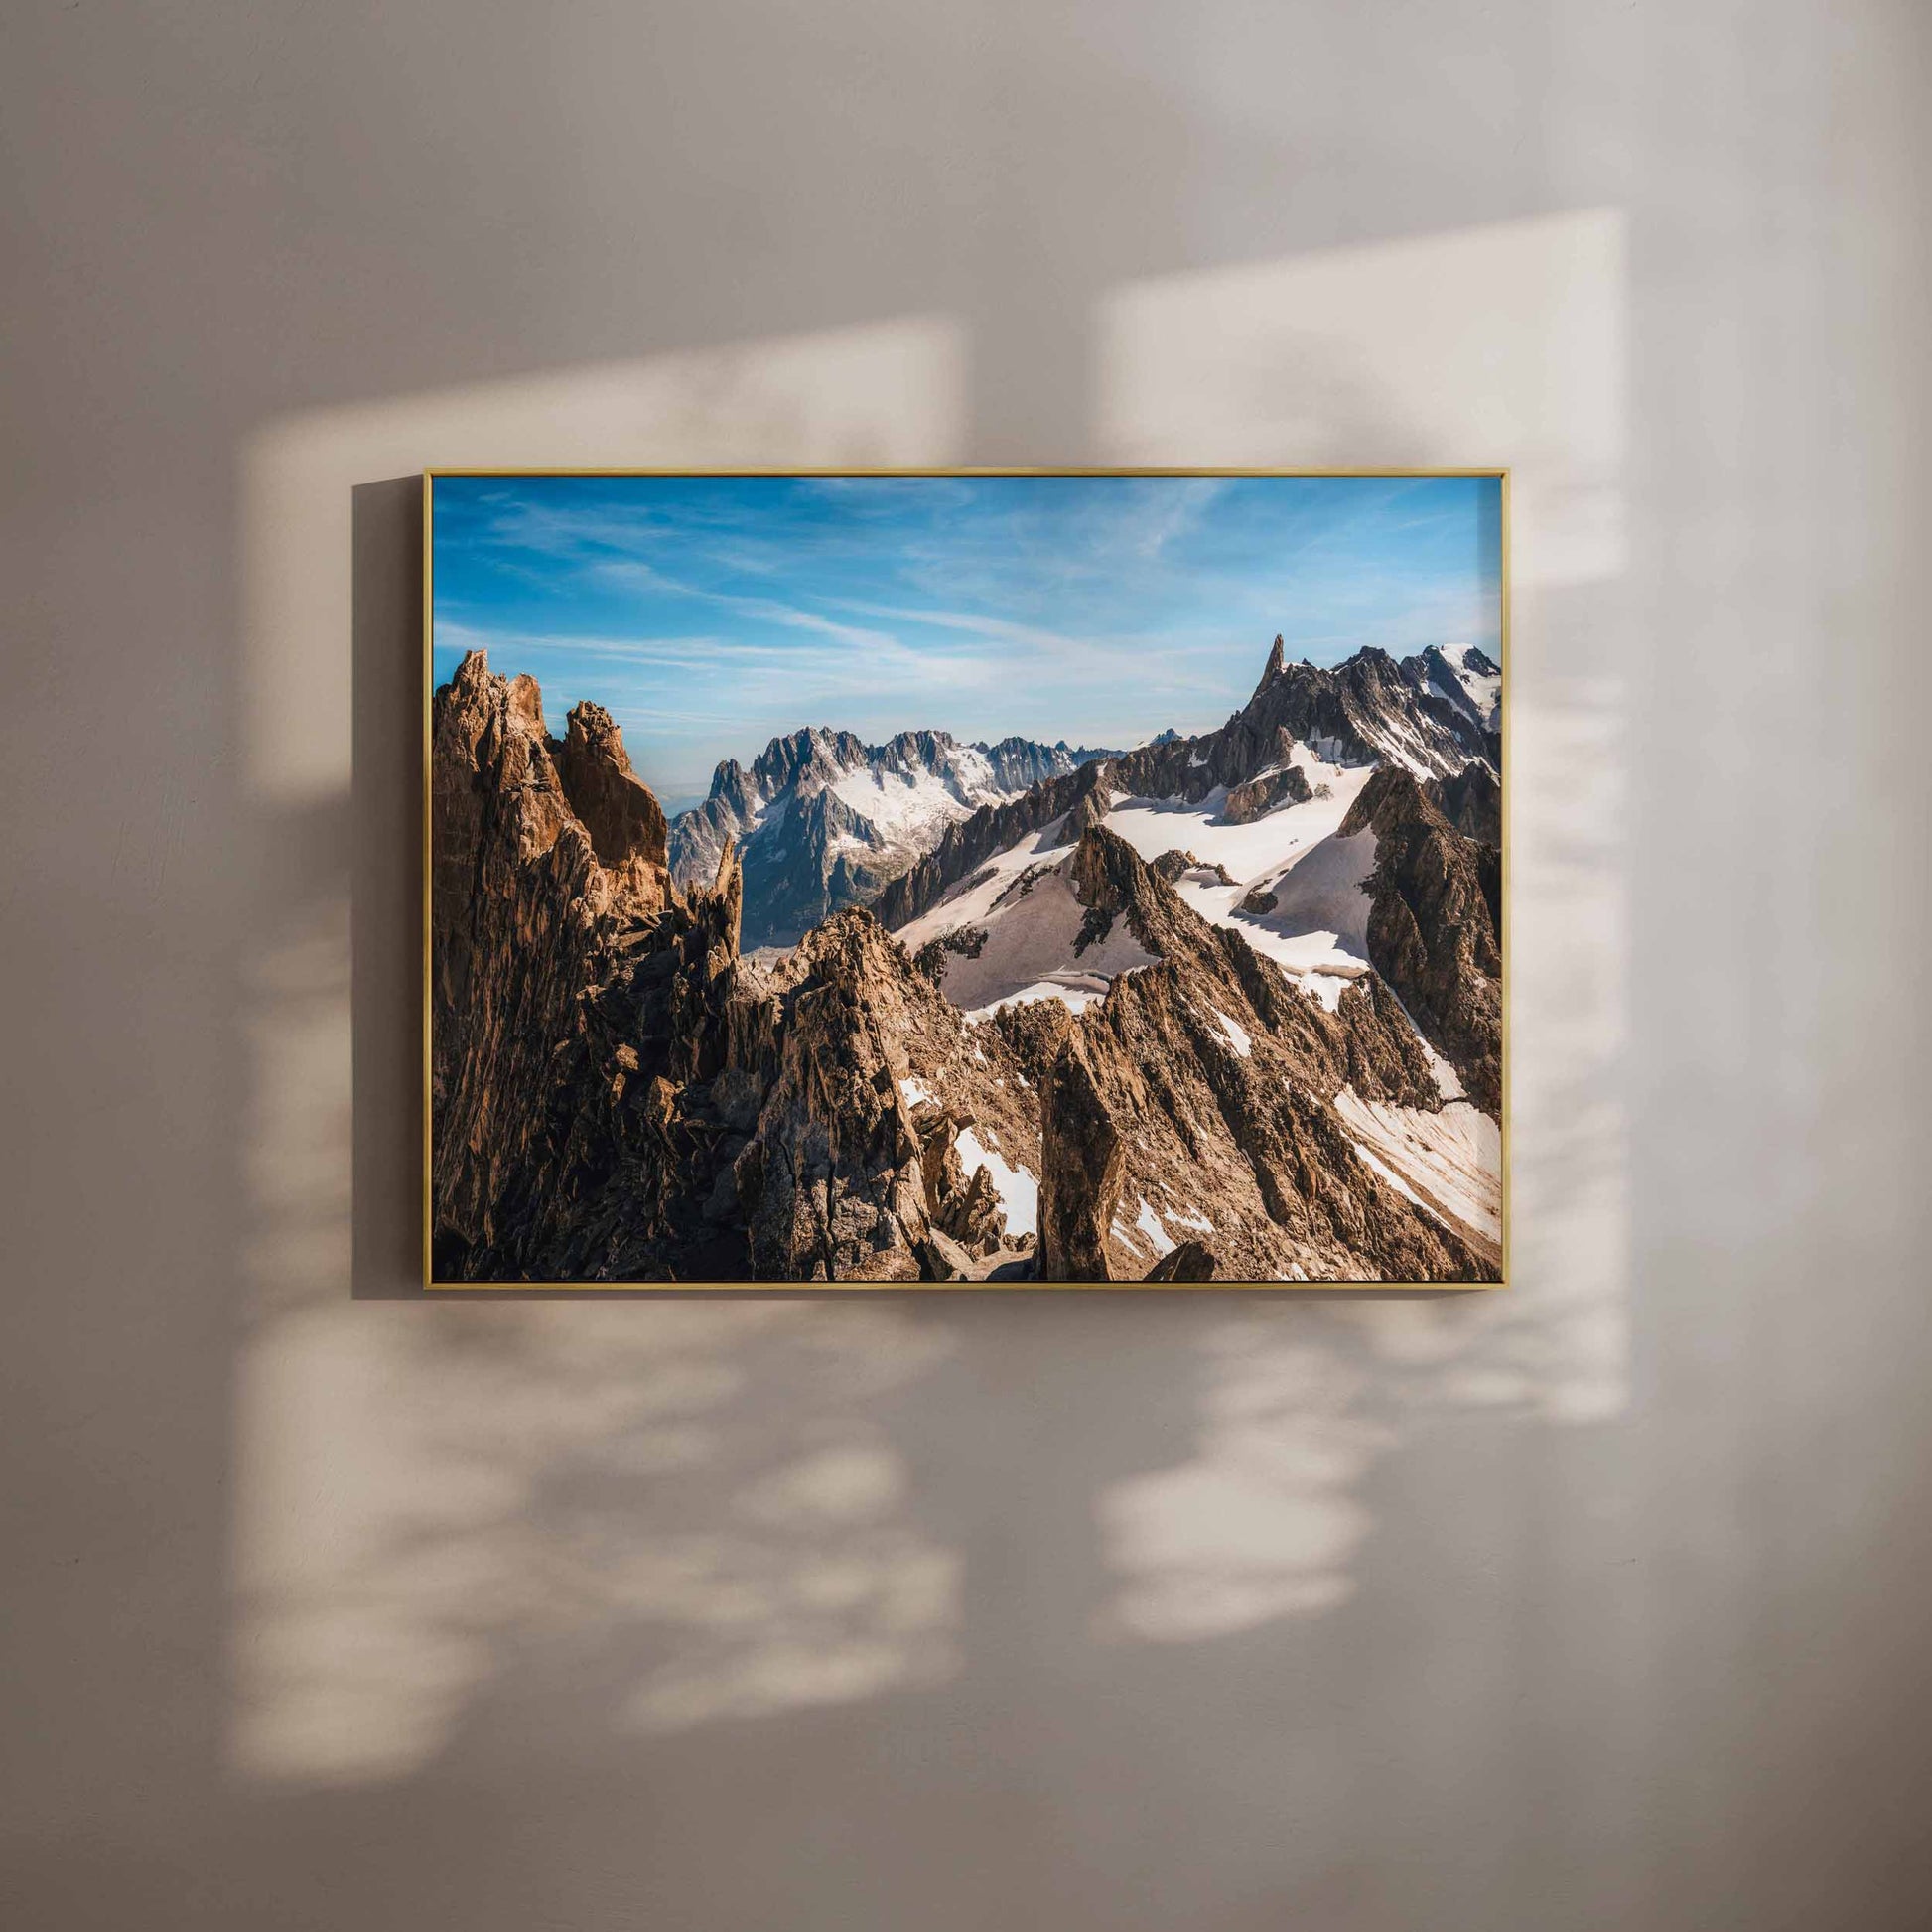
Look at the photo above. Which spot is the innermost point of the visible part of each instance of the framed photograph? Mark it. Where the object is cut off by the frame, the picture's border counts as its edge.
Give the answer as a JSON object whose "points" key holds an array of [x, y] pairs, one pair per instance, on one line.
{"points": [[970, 878]]}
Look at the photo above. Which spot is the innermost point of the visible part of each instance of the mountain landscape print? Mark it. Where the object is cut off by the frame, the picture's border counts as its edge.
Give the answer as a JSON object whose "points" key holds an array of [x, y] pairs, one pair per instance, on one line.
{"points": [[977, 878]]}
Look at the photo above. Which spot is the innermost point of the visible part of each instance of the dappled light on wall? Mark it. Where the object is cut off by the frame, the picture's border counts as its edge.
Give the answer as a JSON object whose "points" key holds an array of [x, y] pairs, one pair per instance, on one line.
{"points": [[1498, 344], [655, 1514], [664, 1512]]}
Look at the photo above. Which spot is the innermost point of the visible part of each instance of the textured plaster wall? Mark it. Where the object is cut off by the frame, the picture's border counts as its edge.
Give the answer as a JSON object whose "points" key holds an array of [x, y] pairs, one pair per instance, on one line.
{"points": [[1595, 1605]]}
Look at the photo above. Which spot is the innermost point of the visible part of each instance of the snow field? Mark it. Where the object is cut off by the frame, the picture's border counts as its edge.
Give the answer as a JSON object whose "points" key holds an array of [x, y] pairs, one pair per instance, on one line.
{"points": [[1017, 1189], [1319, 932]]}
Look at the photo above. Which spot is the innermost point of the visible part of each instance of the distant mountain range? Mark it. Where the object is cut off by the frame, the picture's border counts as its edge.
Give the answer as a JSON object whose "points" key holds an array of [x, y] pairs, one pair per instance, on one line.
{"points": [[822, 820]]}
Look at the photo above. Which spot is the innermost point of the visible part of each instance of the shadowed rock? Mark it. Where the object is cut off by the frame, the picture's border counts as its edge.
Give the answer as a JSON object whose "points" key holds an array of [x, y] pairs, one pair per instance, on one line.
{"points": [[1173, 864], [1472, 803], [1083, 1162], [1191, 1262]]}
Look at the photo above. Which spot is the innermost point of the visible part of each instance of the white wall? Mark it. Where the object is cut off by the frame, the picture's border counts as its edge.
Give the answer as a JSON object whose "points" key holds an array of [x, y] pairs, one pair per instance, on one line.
{"points": [[1593, 1605]]}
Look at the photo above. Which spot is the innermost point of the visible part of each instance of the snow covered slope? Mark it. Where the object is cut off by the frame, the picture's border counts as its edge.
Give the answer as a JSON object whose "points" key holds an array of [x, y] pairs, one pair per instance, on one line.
{"points": [[1020, 934], [1019, 914], [1316, 925]]}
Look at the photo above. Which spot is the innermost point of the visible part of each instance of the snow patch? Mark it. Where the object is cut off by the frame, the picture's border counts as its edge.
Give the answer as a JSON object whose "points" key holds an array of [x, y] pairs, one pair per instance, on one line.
{"points": [[1449, 1082], [1149, 1224], [1321, 891], [914, 1090], [1075, 997], [970, 901], [1378, 1165], [1019, 1191], [1032, 921], [1319, 932], [1234, 1032], [902, 807], [1326, 981]]}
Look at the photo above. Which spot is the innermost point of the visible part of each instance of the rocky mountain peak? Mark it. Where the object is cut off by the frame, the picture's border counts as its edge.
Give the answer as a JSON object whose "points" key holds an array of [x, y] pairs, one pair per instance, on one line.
{"points": [[617, 809], [1276, 659], [1110, 878], [1391, 797], [1459, 680]]}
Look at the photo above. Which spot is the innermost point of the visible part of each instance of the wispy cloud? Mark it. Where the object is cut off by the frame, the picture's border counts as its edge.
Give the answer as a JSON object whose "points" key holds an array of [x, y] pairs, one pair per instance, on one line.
{"points": [[711, 612]]}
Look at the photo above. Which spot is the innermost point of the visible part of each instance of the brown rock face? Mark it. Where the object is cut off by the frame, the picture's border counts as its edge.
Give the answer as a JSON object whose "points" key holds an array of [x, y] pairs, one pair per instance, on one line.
{"points": [[839, 1178], [1173, 863], [616, 807], [831, 1186], [1433, 927], [527, 922], [1084, 1160], [974, 1217]]}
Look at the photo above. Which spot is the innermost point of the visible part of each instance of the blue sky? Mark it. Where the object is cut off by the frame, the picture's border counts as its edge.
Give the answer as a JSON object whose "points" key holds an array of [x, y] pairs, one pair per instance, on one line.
{"points": [[710, 613]]}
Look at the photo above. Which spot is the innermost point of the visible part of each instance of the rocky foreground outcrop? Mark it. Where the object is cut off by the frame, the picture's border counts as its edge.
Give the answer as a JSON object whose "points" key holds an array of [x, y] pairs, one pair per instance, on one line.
{"points": [[618, 1095]]}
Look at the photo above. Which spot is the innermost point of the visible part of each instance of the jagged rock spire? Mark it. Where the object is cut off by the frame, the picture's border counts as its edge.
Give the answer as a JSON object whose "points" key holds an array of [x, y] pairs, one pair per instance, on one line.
{"points": [[619, 810], [1276, 659]]}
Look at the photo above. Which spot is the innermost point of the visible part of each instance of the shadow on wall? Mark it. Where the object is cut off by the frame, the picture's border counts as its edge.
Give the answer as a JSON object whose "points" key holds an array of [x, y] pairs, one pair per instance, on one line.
{"points": [[473, 1537]]}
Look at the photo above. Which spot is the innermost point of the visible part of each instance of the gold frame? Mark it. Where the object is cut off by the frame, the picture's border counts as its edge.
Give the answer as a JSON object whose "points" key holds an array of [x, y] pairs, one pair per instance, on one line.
{"points": [[431, 473]]}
